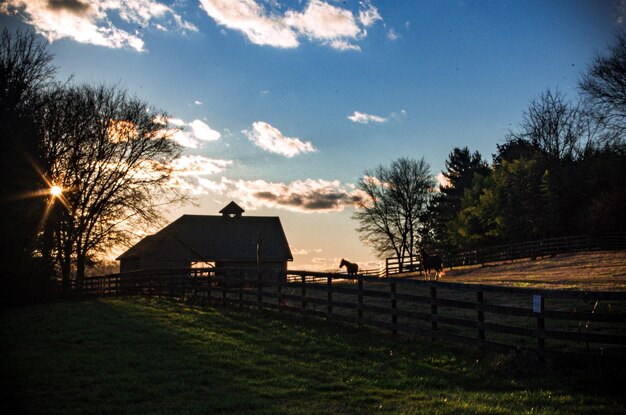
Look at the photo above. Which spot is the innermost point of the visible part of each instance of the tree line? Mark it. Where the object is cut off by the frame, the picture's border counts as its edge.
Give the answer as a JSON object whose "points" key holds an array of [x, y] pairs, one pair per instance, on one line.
{"points": [[561, 172], [85, 168]]}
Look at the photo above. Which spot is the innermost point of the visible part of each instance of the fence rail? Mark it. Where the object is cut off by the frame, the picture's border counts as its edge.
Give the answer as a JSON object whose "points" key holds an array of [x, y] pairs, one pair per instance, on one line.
{"points": [[528, 249], [545, 322]]}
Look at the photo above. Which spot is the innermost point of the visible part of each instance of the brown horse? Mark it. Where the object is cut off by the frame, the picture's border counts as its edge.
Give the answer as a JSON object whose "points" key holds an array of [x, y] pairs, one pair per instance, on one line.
{"points": [[351, 268], [431, 262]]}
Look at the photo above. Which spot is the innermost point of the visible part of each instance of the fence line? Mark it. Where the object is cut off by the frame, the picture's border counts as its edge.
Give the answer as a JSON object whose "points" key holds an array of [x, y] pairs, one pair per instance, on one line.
{"points": [[508, 252], [545, 322]]}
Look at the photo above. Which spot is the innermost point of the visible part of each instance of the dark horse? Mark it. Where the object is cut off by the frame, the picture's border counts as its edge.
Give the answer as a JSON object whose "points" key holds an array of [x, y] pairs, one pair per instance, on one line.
{"points": [[431, 262], [351, 268]]}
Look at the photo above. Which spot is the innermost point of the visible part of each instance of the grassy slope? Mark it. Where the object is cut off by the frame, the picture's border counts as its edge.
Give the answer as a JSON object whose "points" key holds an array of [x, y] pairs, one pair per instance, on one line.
{"points": [[604, 270], [150, 356]]}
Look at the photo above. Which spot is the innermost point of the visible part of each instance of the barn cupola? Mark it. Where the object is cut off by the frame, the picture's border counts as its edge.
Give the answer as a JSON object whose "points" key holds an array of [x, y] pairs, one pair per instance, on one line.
{"points": [[232, 210]]}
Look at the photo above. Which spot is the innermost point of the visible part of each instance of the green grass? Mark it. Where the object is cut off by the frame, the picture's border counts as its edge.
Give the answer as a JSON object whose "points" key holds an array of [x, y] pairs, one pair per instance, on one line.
{"points": [[140, 356]]}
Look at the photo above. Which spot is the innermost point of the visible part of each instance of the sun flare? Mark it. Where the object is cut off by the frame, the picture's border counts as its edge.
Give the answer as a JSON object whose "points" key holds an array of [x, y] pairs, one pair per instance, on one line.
{"points": [[56, 191]]}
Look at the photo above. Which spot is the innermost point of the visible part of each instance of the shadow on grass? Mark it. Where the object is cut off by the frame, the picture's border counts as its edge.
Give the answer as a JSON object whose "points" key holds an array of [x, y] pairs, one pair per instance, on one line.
{"points": [[156, 356]]}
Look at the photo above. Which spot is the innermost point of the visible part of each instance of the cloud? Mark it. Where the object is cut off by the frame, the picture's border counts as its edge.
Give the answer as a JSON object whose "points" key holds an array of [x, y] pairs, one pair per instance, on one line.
{"points": [[203, 132], [299, 196], [318, 22], [197, 102], [362, 118], [270, 139], [297, 251], [392, 34], [192, 134], [92, 21], [368, 14], [190, 173], [326, 23], [196, 165], [252, 20], [308, 196]]}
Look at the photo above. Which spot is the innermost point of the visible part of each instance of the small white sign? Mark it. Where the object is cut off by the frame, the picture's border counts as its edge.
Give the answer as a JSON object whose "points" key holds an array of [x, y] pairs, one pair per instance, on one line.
{"points": [[537, 304]]}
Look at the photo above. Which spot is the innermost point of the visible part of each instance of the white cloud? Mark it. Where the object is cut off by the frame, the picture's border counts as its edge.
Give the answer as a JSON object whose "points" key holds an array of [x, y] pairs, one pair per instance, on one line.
{"points": [[197, 102], [252, 20], [392, 34], [341, 44], [91, 21], [193, 134], [203, 132], [270, 139], [368, 14], [196, 165], [319, 21], [190, 174], [362, 118], [322, 21]]}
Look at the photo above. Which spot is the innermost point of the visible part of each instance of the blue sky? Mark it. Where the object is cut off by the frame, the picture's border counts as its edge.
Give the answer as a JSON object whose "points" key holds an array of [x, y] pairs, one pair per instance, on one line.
{"points": [[283, 105]]}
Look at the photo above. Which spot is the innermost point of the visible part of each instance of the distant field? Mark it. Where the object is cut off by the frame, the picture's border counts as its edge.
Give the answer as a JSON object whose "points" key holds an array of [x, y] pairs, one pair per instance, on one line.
{"points": [[585, 271], [139, 356]]}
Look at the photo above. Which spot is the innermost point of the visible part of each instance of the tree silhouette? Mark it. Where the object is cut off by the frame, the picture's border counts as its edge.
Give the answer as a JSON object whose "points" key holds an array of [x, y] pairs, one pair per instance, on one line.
{"points": [[461, 166], [394, 200], [112, 158], [25, 71], [604, 86]]}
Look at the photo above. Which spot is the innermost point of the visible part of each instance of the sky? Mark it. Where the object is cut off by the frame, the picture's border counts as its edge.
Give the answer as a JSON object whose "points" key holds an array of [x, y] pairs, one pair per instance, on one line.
{"points": [[283, 105]]}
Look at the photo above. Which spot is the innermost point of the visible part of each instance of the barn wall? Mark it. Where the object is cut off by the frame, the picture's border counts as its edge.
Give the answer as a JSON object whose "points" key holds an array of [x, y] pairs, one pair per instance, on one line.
{"points": [[129, 264], [269, 270]]}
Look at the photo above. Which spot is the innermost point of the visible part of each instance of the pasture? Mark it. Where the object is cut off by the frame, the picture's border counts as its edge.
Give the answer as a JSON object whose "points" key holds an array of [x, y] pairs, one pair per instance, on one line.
{"points": [[139, 355], [599, 270]]}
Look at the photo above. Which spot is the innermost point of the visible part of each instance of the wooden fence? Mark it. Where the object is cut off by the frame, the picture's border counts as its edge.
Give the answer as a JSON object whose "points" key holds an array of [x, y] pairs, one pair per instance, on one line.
{"points": [[545, 322], [508, 252]]}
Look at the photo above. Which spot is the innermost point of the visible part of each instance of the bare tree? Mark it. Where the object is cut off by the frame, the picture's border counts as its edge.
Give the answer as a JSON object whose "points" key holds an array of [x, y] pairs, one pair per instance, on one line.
{"points": [[25, 71], [604, 86], [111, 156], [560, 129], [394, 199]]}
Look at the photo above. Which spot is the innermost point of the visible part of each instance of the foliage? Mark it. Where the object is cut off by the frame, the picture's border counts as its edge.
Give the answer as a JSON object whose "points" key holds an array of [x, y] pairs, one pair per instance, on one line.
{"points": [[461, 166], [112, 157], [25, 71], [107, 150], [131, 356], [393, 202]]}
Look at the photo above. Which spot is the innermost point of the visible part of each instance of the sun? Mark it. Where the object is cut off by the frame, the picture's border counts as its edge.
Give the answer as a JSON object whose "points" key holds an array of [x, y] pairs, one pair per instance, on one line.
{"points": [[56, 191]]}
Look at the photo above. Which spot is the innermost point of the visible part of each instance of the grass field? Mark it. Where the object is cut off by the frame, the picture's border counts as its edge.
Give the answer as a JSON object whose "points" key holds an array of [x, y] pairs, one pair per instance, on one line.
{"points": [[138, 356], [604, 270]]}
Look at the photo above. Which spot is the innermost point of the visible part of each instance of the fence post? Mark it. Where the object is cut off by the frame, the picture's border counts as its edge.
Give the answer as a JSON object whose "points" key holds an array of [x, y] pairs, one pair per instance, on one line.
{"points": [[480, 318], [303, 277], [259, 296], [538, 307], [394, 309], [329, 292], [433, 311], [359, 301]]}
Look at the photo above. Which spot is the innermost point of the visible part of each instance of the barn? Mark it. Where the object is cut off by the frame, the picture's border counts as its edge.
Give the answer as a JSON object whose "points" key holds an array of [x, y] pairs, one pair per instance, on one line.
{"points": [[229, 240]]}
